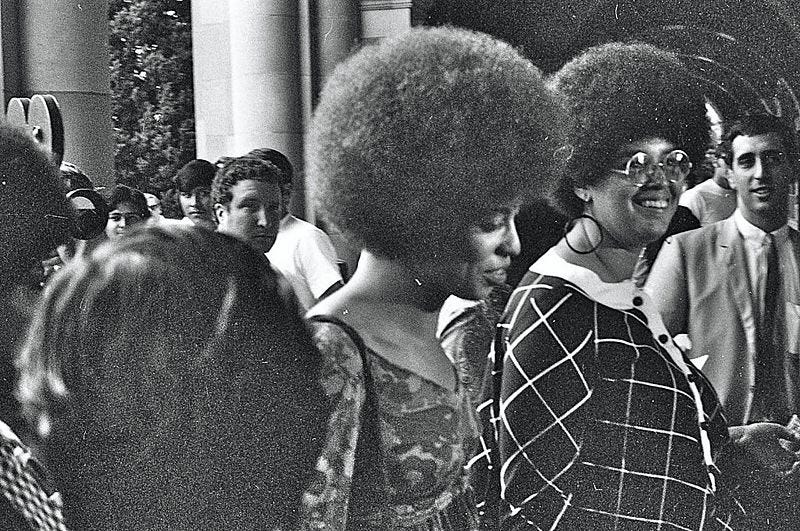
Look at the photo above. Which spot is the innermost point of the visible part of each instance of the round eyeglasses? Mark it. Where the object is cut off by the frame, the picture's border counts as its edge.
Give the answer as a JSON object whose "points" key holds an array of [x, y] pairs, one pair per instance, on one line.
{"points": [[641, 167]]}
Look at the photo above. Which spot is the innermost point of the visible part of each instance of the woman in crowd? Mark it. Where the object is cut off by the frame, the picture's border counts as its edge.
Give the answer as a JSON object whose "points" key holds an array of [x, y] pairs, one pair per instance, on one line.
{"points": [[127, 207], [172, 387], [420, 150], [603, 423]]}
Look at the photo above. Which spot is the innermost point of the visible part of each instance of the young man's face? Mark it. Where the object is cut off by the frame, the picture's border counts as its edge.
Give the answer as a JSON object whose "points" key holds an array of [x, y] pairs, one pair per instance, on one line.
{"points": [[762, 173], [196, 205], [253, 213]]}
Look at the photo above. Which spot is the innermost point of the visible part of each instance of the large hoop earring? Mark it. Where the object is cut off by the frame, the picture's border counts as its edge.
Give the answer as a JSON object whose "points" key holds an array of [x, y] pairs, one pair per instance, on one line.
{"points": [[571, 223]]}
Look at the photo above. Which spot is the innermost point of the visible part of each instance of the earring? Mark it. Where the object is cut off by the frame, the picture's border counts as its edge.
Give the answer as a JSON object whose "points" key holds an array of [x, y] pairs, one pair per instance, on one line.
{"points": [[571, 223]]}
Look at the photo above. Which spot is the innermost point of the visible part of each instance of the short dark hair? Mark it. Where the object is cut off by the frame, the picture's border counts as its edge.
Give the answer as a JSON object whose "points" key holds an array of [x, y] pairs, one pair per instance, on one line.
{"points": [[35, 215], [751, 123], [419, 136], [617, 94], [198, 173], [278, 159], [125, 194], [241, 169]]}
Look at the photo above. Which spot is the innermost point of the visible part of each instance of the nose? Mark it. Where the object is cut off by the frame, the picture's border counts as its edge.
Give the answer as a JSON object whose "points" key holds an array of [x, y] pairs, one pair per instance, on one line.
{"points": [[759, 170], [121, 222], [511, 245]]}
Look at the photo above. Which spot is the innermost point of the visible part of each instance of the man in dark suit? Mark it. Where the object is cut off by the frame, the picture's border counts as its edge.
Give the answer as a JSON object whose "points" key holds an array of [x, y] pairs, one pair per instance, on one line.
{"points": [[734, 288]]}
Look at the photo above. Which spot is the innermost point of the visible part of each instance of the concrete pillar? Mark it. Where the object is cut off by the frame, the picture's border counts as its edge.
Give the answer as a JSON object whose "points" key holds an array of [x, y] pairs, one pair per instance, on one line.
{"points": [[337, 32], [384, 18], [212, 79], [10, 67], [64, 52], [265, 79]]}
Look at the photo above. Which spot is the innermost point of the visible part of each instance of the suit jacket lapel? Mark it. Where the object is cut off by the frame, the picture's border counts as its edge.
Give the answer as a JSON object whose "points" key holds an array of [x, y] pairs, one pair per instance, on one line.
{"points": [[732, 248]]}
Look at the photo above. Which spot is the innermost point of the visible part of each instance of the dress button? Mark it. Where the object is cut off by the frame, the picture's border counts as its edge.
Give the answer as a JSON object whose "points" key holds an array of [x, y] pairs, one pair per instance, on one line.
{"points": [[637, 301], [663, 338]]}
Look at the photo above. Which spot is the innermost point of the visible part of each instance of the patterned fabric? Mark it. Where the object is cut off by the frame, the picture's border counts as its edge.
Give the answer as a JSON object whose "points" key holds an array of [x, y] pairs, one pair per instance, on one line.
{"points": [[426, 435], [21, 487], [597, 423]]}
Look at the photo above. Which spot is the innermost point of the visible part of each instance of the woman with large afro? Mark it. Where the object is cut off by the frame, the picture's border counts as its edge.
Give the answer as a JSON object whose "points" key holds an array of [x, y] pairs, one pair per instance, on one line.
{"points": [[420, 151], [602, 421]]}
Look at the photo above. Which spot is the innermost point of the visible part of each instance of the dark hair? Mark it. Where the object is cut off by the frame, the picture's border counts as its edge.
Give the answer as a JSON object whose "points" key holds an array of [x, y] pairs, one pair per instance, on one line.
{"points": [[35, 216], [237, 169], [753, 123], [181, 391], [170, 204], [419, 136], [125, 194], [74, 178], [278, 159], [198, 173], [617, 94]]}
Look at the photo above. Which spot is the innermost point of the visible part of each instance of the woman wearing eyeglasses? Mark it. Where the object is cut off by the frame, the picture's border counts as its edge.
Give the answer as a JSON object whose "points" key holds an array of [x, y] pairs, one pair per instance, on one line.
{"points": [[602, 421]]}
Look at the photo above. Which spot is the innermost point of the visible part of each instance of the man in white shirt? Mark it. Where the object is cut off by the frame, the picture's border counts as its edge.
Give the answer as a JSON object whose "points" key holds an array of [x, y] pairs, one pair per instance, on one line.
{"points": [[714, 199], [734, 287], [302, 253]]}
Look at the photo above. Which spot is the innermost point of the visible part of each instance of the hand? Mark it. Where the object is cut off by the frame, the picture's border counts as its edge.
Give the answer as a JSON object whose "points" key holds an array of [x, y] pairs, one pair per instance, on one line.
{"points": [[772, 445]]}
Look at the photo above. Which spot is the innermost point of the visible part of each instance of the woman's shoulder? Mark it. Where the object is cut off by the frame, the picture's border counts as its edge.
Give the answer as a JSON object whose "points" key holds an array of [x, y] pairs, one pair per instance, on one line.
{"points": [[546, 289], [339, 344]]}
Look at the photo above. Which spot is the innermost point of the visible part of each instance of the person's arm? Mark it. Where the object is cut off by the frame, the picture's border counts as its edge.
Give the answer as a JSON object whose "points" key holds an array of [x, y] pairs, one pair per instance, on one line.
{"points": [[544, 395], [316, 259], [326, 501], [668, 288]]}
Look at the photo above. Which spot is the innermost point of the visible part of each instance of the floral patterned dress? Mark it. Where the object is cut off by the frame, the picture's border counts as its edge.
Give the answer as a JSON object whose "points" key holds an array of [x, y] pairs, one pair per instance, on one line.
{"points": [[414, 438]]}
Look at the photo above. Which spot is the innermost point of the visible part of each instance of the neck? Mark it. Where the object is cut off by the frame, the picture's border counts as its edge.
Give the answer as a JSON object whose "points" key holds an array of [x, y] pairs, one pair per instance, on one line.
{"points": [[766, 223], [611, 261], [393, 281]]}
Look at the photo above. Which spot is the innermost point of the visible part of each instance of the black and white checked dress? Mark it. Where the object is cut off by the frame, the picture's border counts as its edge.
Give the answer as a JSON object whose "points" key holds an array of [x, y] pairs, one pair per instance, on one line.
{"points": [[600, 421]]}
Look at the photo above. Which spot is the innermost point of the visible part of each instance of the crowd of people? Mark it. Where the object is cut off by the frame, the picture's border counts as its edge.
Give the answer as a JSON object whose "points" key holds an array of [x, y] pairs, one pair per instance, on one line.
{"points": [[203, 360]]}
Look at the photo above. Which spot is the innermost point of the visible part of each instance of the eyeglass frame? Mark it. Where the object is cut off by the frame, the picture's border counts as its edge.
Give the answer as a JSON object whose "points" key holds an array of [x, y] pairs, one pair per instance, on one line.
{"points": [[660, 165]]}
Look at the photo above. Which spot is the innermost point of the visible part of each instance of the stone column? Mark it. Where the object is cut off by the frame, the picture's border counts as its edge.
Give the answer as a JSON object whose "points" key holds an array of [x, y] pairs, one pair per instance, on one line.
{"points": [[63, 51], [384, 18], [10, 67], [337, 31], [211, 55], [265, 76]]}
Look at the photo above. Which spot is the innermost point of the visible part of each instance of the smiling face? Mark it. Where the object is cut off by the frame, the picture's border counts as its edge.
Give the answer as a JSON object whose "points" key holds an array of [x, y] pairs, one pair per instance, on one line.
{"points": [[478, 262], [253, 214], [762, 174], [634, 216]]}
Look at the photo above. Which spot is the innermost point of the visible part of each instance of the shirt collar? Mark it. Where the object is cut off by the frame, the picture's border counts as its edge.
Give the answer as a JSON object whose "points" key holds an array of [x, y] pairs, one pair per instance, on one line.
{"points": [[756, 236], [617, 295]]}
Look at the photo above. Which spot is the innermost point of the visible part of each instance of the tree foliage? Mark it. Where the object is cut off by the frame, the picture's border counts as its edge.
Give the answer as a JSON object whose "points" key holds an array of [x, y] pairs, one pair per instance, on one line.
{"points": [[151, 90]]}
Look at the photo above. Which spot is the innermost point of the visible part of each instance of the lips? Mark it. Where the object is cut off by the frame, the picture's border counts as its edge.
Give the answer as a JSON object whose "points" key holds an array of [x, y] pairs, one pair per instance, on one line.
{"points": [[762, 192], [496, 277]]}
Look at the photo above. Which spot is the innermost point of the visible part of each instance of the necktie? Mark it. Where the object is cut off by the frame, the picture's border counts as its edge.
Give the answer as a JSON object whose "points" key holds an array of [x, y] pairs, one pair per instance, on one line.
{"points": [[768, 387]]}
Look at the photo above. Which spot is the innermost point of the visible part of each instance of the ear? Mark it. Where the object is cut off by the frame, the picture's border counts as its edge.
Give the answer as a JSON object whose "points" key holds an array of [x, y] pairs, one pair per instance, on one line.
{"points": [[583, 194], [221, 212]]}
